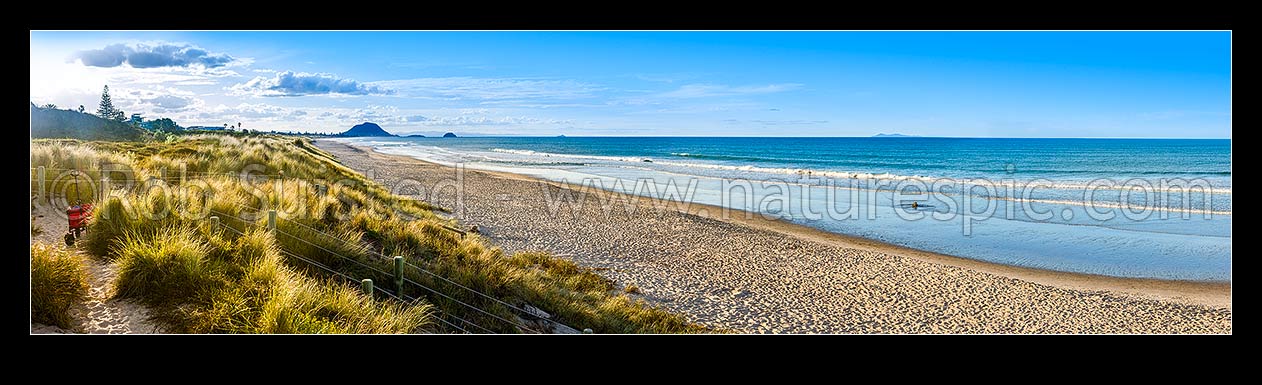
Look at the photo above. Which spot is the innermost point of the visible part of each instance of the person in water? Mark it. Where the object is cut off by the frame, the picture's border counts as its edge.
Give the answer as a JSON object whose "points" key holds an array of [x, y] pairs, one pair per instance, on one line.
{"points": [[914, 205]]}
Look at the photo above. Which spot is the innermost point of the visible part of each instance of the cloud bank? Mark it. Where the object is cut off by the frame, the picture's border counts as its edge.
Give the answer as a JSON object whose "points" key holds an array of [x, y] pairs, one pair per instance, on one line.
{"points": [[289, 83], [157, 55]]}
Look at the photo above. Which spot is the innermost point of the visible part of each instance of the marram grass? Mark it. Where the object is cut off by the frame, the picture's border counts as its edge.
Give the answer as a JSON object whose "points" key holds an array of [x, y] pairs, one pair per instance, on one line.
{"points": [[59, 280], [214, 280]]}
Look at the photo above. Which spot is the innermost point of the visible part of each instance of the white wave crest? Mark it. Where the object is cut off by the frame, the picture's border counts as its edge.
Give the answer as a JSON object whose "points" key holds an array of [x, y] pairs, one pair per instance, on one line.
{"points": [[804, 172]]}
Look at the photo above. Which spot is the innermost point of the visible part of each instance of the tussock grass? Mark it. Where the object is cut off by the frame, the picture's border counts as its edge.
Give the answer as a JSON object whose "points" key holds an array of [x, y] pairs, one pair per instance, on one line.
{"points": [[243, 284], [163, 267], [203, 281], [61, 156], [59, 280]]}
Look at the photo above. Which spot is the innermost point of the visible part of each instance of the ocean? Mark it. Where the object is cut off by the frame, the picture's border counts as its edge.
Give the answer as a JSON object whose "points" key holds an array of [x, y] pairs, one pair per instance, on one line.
{"points": [[1150, 208]]}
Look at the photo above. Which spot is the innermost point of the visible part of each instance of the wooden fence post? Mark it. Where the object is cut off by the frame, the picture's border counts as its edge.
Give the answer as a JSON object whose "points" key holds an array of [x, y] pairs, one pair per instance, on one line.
{"points": [[42, 185], [398, 275]]}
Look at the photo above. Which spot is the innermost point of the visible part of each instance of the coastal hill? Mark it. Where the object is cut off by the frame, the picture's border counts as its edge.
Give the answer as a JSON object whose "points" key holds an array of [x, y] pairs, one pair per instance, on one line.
{"points": [[449, 135], [365, 129], [55, 123]]}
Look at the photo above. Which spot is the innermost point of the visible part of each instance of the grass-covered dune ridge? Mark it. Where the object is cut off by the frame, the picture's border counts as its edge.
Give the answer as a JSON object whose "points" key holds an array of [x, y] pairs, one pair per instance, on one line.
{"points": [[214, 279]]}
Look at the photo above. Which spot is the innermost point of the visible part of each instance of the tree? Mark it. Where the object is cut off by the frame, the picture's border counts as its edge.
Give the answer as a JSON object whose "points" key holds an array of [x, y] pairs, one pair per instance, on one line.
{"points": [[106, 110], [163, 124], [50, 106], [136, 120], [80, 108]]}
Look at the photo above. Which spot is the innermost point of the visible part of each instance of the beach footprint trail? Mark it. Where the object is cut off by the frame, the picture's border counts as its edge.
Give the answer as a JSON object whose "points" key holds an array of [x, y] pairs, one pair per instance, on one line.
{"points": [[102, 314]]}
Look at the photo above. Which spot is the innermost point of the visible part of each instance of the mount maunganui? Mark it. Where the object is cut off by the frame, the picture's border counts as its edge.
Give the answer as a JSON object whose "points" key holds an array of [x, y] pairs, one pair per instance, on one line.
{"points": [[366, 129]]}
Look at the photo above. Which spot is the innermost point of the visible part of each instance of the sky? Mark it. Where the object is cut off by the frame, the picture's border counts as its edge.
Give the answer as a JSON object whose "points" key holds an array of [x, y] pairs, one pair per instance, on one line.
{"points": [[958, 84]]}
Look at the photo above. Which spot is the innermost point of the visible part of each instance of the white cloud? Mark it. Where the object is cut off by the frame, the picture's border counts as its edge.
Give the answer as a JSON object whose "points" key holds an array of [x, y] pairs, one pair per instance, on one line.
{"points": [[150, 100], [242, 111], [172, 102], [665, 77], [459, 88], [152, 55], [702, 108], [717, 90], [289, 83], [470, 120]]}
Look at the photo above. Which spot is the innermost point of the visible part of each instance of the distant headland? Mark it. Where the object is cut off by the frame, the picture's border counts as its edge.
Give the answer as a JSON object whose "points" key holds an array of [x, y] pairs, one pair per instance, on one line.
{"points": [[366, 129]]}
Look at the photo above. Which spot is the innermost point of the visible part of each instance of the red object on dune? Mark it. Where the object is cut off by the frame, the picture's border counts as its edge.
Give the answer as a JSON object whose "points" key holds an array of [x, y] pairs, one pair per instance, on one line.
{"points": [[79, 215]]}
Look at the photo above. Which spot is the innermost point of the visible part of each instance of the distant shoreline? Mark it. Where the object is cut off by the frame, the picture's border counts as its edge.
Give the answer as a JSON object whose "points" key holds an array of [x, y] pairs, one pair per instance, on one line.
{"points": [[477, 135], [1208, 293]]}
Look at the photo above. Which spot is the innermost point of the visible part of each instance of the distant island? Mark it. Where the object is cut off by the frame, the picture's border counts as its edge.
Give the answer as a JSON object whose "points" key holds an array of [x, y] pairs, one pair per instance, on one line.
{"points": [[895, 135], [365, 129], [449, 135], [414, 136]]}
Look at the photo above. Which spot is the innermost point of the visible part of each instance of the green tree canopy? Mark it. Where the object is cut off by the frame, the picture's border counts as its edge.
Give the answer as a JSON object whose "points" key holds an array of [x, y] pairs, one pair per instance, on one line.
{"points": [[106, 110]]}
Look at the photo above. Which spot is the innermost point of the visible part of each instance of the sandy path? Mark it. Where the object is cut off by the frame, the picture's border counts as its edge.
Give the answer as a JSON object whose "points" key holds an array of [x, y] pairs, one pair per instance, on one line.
{"points": [[775, 277], [103, 314], [100, 314]]}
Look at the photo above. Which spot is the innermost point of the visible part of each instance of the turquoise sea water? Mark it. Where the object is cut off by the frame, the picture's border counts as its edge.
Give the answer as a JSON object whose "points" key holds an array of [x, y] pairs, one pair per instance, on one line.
{"points": [[1156, 208]]}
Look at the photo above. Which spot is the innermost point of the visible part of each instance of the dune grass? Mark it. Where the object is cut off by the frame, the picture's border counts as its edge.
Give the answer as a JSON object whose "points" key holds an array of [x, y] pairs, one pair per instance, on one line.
{"points": [[59, 280], [202, 280], [328, 214]]}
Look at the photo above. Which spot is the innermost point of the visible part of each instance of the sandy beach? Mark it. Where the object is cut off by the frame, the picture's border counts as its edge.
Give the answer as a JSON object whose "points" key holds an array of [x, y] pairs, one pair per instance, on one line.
{"points": [[767, 276]]}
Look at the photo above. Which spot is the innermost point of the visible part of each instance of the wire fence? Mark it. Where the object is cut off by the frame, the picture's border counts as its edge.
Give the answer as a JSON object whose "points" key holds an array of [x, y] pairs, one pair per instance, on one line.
{"points": [[351, 279], [333, 272], [419, 269], [397, 294], [169, 172], [445, 317]]}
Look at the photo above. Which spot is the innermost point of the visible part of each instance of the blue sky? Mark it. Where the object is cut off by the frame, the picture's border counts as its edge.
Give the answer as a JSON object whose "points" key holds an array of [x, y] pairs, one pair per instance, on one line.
{"points": [[978, 84]]}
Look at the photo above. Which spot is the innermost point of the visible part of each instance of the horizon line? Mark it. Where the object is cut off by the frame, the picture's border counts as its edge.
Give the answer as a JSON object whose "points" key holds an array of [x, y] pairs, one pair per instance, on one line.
{"points": [[756, 136]]}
